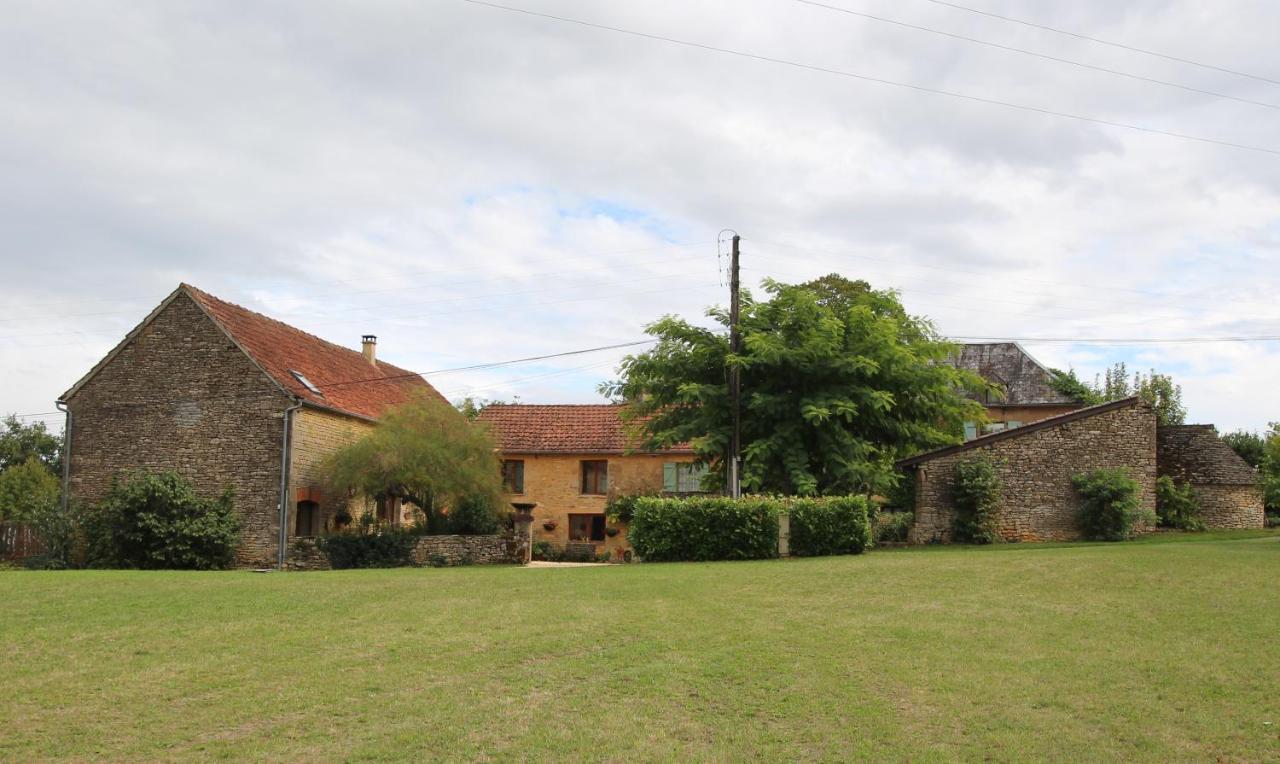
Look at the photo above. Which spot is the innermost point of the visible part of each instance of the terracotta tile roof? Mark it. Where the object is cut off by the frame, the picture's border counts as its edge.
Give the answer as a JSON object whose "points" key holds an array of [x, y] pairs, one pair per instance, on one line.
{"points": [[594, 428], [347, 381]]}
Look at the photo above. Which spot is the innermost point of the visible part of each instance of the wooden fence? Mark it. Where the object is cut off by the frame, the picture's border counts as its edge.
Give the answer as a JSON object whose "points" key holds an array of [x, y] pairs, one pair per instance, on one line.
{"points": [[18, 542]]}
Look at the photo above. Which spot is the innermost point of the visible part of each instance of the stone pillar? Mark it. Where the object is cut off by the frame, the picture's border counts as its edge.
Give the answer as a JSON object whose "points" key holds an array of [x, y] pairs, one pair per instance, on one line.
{"points": [[522, 546], [784, 535]]}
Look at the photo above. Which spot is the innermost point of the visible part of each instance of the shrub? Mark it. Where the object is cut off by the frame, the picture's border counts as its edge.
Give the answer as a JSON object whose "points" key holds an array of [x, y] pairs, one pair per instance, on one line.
{"points": [[976, 495], [383, 548], [1111, 509], [545, 550], [1177, 506], [705, 528], [156, 521], [62, 531], [27, 490], [474, 516], [893, 527], [829, 525]]}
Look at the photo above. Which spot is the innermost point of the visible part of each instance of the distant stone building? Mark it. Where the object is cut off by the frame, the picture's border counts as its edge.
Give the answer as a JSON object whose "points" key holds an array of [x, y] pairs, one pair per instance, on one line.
{"points": [[1024, 391], [569, 459], [1036, 463], [229, 397], [1228, 488]]}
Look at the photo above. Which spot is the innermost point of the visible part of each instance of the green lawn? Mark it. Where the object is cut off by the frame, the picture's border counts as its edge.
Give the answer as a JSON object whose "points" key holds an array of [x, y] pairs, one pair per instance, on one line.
{"points": [[1151, 651]]}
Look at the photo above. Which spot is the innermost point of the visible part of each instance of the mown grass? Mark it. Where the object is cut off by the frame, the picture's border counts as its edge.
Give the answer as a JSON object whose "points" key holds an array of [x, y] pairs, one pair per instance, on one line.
{"points": [[1151, 651]]}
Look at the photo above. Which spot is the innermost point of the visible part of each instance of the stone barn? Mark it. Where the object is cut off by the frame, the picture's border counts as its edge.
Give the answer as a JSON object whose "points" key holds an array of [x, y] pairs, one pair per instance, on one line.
{"points": [[231, 398], [1228, 488], [1036, 463]]}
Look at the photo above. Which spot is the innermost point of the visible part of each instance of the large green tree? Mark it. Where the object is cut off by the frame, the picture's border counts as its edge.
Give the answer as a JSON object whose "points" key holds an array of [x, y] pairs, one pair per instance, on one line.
{"points": [[28, 491], [838, 382], [19, 442], [1159, 390], [428, 453]]}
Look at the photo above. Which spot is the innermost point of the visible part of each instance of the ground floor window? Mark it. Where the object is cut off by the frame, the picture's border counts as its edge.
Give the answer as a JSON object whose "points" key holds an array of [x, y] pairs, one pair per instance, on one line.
{"points": [[586, 527], [307, 521], [389, 510]]}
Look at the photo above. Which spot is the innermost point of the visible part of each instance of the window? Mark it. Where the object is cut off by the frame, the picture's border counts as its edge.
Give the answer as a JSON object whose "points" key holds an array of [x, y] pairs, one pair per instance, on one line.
{"points": [[595, 476], [513, 475], [683, 477], [307, 520], [306, 382], [586, 527], [970, 430], [389, 510]]}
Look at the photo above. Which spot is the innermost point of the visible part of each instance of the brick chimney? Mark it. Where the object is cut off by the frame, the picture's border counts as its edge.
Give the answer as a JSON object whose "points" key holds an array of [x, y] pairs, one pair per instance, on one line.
{"points": [[369, 346]]}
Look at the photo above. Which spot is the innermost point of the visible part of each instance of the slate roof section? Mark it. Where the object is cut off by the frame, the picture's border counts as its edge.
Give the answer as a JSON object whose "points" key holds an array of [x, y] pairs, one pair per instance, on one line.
{"points": [[1007, 364], [346, 380], [593, 428], [1194, 453], [1017, 432]]}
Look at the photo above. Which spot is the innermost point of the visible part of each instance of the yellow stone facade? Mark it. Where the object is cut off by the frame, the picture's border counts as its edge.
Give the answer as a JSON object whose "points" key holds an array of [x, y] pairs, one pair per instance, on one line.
{"points": [[554, 483]]}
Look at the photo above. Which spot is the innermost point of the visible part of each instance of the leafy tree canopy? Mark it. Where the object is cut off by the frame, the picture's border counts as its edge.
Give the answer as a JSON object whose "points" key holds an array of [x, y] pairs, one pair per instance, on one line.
{"points": [[1251, 446], [28, 491], [837, 383], [19, 442], [424, 451]]}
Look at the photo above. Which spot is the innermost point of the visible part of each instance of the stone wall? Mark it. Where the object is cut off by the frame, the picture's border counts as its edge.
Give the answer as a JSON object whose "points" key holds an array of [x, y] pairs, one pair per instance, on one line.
{"points": [[1036, 465], [1231, 506], [181, 396], [507, 548], [1228, 488], [554, 483]]}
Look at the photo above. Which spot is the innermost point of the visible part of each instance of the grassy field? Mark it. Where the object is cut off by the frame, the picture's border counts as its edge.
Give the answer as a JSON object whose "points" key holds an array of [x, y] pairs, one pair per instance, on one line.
{"points": [[1149, 651]]}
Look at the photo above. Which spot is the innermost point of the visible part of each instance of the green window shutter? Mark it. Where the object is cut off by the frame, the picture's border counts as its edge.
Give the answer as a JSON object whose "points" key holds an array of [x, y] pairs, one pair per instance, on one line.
{"points": [[970, 430], [669, 477]]}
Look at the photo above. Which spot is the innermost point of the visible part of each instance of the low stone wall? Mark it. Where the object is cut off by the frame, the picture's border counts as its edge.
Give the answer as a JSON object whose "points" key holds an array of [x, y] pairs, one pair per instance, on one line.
{"points": [[1231, 506], [1036, 464], [463, 550], [511, 547]]}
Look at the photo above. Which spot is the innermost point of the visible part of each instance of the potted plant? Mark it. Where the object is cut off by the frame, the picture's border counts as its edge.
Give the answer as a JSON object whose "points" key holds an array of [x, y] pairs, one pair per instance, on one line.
{"points": [[548, 525], [611, 531]]}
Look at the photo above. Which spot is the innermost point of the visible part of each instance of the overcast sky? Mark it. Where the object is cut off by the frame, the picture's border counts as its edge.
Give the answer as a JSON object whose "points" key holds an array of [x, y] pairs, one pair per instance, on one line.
{"points": [[476, 185]]}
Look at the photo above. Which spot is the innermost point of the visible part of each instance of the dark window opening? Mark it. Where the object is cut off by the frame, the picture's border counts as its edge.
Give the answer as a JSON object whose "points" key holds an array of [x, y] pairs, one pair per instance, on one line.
{"points": [[586, 527], [388, 510], [595, 477], [513, 475], [308, 519]]}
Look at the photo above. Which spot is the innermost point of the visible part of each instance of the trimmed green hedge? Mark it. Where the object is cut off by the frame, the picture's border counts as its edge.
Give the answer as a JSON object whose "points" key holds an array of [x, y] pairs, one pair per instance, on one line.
{"points": [[829, 525], [718, 528], [704, 528]]}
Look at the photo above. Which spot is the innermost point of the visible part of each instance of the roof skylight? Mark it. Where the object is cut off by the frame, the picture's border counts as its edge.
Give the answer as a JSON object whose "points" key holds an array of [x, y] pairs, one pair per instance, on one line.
{"points": [[305, 382]]}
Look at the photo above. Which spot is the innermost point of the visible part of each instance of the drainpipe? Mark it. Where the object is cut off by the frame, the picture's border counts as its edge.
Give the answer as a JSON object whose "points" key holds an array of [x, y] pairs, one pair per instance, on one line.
{"points": [[285, 441], [66, 454]]}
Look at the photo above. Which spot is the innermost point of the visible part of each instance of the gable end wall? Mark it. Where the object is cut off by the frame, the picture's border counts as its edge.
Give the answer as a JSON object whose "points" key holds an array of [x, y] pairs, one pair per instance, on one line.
{"points": [[1039, 502], [181, 396]]}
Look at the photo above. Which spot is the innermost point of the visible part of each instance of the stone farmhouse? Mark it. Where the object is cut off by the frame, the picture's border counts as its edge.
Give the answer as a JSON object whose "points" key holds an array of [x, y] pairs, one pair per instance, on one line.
{"points": [[569, 459], [229, 397], [1036, 463]]}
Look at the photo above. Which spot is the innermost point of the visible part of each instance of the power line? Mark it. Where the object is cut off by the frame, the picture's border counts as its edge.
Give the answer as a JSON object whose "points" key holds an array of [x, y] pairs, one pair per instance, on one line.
{"points": [[1121, 341], [878, 80], [1035, 54], [1100, 41]]}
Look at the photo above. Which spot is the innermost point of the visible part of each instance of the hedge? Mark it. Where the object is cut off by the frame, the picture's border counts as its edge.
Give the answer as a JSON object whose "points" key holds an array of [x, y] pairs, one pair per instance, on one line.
{"points": [[704, 528], [829, 525]]}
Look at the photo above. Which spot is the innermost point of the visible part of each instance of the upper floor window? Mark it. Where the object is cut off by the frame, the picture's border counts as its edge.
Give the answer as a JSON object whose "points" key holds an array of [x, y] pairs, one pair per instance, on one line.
{"points": [[595, 476], [683, 477], [513, 475]]}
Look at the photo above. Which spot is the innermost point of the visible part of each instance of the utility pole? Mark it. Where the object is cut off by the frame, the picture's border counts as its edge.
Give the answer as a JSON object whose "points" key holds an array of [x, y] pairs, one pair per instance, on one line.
{"points": [[735, 378]]}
